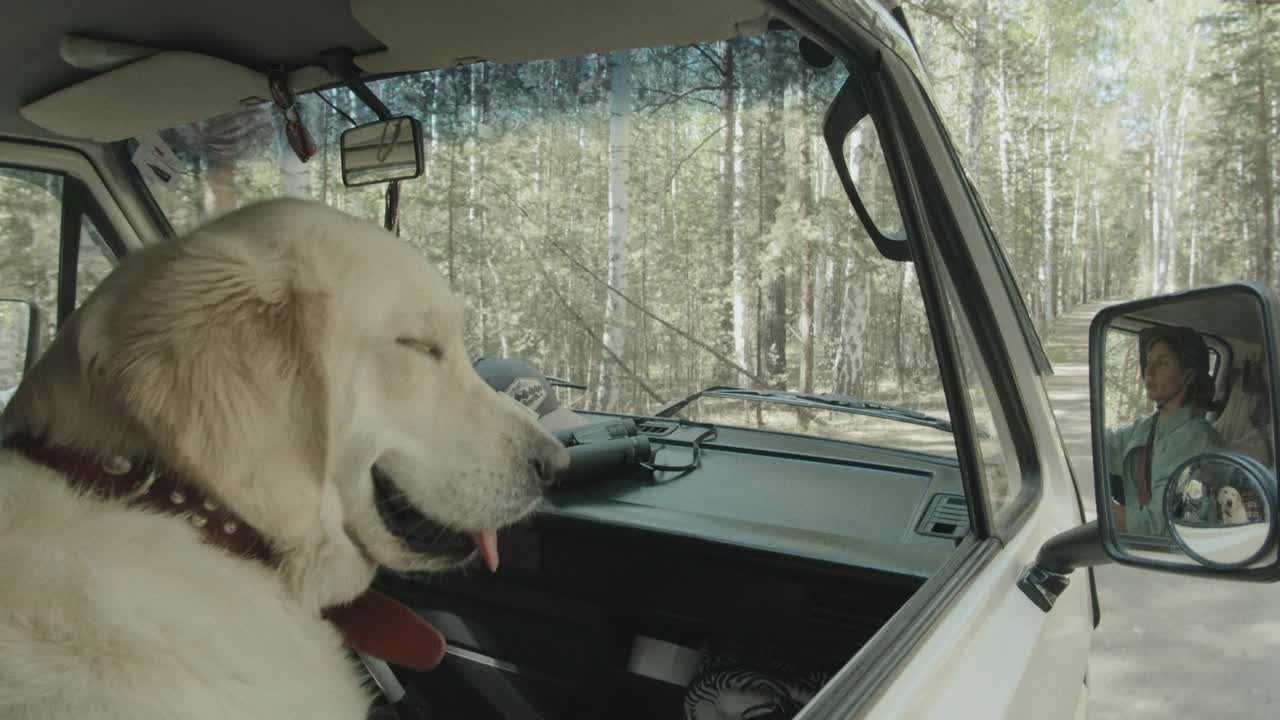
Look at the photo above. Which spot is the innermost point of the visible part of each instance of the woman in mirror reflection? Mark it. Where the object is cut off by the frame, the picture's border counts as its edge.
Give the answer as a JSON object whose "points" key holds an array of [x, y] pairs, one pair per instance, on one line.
{"points": [[1174, 362]]}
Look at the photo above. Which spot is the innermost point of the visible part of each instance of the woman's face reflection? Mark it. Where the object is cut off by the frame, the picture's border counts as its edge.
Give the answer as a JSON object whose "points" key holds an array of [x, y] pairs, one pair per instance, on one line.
{"points": [[1165, 376]]}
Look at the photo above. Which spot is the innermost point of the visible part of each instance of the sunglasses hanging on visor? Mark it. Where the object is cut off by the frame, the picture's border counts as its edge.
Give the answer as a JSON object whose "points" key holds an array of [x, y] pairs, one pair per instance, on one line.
{"points": [[285, 101]]}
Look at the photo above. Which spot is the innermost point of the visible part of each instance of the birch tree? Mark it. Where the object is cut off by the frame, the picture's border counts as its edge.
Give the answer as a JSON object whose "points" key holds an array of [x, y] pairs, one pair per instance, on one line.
{"points": [[619, 143]]}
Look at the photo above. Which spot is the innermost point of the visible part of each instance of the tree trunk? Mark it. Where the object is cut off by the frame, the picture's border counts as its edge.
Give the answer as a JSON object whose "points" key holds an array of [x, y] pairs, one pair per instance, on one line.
{"points": [[807, 253], [740, 270], [615, 309], [1246, 234], [1102, 284], [728, 216], [1002, 117], [221, 138], [1152, 215], [429, 130], [295, 175], [977, 87], [1047, 269], [688, 375], [1174, 202], [1193, 258], [1266, 185], [847, 367], [461, 98], [773, 174], [777, 346], [451, 225], [480, 153], [1075, 234]]}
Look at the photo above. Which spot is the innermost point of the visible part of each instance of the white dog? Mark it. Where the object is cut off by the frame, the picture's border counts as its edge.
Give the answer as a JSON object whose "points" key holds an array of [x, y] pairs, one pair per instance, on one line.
{"points": [[1231, 506], [187, 488]]}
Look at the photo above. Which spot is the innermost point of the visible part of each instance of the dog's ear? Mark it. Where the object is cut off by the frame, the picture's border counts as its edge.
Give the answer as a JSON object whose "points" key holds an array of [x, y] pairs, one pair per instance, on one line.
{"points": [[214, 355]]}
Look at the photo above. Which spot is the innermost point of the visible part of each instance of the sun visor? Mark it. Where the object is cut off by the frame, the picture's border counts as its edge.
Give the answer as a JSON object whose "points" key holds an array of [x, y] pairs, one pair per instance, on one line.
{"points": [[161, 91], [430, 35]]}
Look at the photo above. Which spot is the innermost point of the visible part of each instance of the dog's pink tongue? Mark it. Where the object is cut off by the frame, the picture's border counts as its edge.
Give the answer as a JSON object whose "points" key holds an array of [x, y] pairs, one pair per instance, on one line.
{"points": [[487, 542], [378, 625]]}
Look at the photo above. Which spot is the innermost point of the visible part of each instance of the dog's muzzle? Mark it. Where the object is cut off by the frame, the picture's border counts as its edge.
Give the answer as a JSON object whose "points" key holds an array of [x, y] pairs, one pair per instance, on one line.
{"points": [[426, 536]]}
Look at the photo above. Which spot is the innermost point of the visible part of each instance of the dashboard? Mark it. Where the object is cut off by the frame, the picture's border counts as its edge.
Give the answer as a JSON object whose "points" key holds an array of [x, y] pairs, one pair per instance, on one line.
{"points": [[805, 497]]}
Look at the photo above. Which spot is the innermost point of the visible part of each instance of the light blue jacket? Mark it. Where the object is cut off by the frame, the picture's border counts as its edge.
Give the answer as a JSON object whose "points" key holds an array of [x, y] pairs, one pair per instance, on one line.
{"points": [[1178, 437]]}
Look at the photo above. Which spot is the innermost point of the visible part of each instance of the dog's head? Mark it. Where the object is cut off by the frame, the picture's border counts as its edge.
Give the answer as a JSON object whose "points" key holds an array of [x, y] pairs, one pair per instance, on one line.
{"points": [[277, 356], [1230, 504]]}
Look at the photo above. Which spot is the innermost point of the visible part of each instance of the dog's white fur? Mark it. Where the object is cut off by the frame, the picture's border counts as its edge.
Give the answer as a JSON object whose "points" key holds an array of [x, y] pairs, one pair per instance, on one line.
{"points": [[272, 356], [1231, 506]]}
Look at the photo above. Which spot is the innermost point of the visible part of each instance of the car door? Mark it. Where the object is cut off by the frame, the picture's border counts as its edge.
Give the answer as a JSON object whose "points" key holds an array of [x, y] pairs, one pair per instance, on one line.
{"points": [[970, 643]]}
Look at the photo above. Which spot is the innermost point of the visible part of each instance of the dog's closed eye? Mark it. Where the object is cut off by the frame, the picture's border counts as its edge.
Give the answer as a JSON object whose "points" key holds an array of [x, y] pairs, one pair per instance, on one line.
{"points": [[427, 347]]}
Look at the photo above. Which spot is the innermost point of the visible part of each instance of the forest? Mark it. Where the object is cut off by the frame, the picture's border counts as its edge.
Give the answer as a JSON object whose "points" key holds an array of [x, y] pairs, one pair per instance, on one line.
{"points": [[653, 221]]}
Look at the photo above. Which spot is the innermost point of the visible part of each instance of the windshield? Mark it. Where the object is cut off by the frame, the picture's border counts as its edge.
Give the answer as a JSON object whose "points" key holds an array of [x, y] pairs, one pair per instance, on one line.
{"points": [[694, 181]]}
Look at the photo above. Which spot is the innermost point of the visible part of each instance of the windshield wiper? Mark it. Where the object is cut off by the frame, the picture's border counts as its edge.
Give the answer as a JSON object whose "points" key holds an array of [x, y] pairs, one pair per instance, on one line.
{"points": [[559, 382], [829, 401]]}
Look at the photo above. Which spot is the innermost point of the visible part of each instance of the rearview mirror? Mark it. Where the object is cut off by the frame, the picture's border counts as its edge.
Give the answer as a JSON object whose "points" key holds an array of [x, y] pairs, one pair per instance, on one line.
{"points": [[19, 342], [850, 110], [1184, 437], [382, 151]]}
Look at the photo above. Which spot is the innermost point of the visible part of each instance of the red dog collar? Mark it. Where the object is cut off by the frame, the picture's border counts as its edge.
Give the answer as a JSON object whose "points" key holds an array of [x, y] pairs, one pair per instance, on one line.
{"points": [[373, 623]]}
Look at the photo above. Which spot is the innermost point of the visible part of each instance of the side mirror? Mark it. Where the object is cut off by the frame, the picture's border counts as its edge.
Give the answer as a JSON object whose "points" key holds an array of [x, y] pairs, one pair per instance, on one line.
{"points": [[19, 343], [1184, 404], [382, 151], [1219, 509]]}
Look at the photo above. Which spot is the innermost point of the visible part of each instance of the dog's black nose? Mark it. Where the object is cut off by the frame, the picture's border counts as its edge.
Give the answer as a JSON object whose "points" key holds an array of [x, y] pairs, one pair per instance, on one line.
{"points": [[543, 473], [547, 468]]}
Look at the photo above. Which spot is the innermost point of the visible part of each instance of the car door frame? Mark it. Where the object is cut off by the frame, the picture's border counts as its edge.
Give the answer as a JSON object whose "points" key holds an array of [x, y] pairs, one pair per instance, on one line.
{"points": [[920, 662]]}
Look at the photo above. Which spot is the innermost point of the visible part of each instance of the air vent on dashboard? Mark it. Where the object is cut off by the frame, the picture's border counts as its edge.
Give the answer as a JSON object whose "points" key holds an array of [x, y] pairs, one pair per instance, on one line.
{"points": [[656, 428], [946, 517]]}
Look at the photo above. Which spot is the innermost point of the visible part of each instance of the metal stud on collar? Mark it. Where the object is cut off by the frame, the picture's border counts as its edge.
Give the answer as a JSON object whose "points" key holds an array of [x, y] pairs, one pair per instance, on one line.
{"points": [[199, 520], [229, 526], [117, 465], [177, 497], [143, 487]]}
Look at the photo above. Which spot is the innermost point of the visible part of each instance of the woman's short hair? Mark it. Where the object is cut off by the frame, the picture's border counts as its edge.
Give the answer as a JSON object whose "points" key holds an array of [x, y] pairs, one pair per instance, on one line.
{"points": [[1192, 354]]}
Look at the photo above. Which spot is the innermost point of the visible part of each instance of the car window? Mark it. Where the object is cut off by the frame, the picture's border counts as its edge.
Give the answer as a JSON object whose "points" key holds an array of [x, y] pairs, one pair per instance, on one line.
{"points": [[1002, 475], [31, 204], [645, 224], [14, 323], [30, 232]]}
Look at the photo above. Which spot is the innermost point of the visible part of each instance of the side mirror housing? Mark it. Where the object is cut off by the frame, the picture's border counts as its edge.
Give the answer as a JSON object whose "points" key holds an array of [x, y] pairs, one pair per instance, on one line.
{"points": [[1183, 399], [382, 151], [1184, 402], [20, 322]]}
